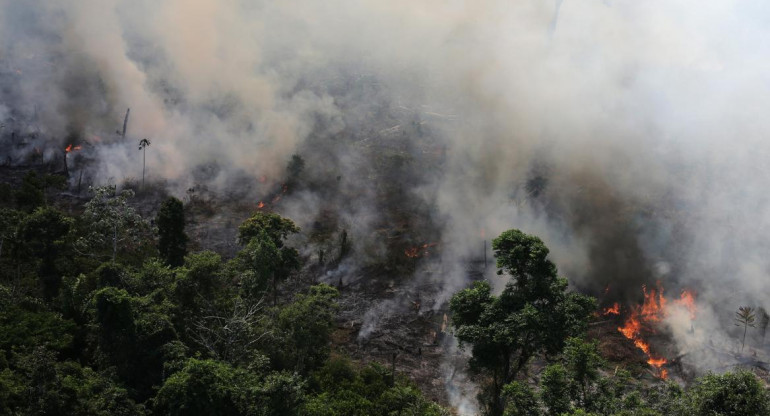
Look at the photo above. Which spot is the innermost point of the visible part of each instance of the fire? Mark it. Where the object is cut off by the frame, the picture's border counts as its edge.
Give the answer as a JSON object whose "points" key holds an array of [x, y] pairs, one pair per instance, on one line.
{"points": [[414, 252], [642, 318], [71, 148], [613, 310], [654, 306], [260, 205]]}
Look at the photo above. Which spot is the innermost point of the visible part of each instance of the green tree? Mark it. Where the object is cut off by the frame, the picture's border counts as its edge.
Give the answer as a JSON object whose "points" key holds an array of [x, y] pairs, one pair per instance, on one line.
{"points": [[113, 311], [111, 222], [276, 227], [204, 387], [265, 255], [30, 194], [172, 240], [305, 327], [10, 220], [730, 394], [745, 317], [534, 314], [520, 400], [555, 390], [583, 362], [43, 233], [199, 290]]}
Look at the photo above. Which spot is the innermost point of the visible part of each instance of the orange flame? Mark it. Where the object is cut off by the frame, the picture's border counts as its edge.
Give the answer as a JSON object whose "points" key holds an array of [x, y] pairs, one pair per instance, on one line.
{"points": [[614, 310], [71, 148], [652, 310], [654, 306], [260, 205], [414, 252]]}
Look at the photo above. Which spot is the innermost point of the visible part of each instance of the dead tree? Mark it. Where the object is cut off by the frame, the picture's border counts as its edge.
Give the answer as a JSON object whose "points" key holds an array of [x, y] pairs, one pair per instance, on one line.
{"points": [[125, 124], [745, 317], [143, 144]]}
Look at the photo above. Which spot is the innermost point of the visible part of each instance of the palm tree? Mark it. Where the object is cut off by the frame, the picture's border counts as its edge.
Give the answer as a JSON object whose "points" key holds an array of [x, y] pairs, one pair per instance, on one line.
{"points": [[745, 317], [143, 147]]}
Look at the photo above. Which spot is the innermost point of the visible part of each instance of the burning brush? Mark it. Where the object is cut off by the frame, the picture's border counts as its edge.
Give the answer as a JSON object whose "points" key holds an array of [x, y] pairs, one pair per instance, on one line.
{"points": [[644, 319]]}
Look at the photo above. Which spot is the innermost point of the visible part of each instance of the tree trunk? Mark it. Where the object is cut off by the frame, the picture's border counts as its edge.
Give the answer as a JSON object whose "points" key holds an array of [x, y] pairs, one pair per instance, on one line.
{"points": [[745, 328]]}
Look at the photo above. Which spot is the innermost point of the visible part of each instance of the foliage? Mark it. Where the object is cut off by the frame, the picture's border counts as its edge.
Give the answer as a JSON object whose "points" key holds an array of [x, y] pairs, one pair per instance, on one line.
{"points": [[172, 240], [112, 223], [43, 234], [555, 390], [265, 258], [583, 362], [746, 318], [342, 390], [534, 314], [520, 400], [730, 394], [94, 323], [276, 227], [301, 339]]}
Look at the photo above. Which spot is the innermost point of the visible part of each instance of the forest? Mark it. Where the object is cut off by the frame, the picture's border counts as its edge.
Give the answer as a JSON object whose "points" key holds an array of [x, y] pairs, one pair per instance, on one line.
{"points": [[106, 311]]}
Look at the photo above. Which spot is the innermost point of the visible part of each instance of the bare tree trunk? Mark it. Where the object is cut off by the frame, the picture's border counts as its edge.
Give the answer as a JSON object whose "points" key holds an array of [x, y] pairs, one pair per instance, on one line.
{"points": [[125, 123], [745, 328], [144, 163]]}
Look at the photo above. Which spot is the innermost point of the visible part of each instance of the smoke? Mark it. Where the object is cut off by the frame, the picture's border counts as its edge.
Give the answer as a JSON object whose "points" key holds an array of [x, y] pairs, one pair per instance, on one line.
{"points": [[630, 136]]}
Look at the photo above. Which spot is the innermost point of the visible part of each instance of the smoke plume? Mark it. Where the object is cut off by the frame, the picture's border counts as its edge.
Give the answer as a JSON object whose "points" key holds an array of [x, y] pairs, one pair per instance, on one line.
{"points": [[630, 136]]}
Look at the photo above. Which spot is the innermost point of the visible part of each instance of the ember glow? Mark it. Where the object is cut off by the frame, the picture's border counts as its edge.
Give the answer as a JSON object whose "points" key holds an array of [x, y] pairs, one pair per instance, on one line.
{"points": [[260, 205], [72, 148], [643, 319], [613, 310], [415, 252]]}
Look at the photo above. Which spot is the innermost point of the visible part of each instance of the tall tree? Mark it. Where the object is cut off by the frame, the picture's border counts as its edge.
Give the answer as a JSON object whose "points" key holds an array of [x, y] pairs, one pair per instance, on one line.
{"points": [[172, 240], [266, 256], [112, 222], [745, 317], [43, 234], [534, 314], [143, 145]]}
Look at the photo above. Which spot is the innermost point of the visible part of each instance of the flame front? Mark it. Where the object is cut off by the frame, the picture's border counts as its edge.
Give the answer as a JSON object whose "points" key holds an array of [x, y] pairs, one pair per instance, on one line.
{"points": [[652, 311], [613, 310]]}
